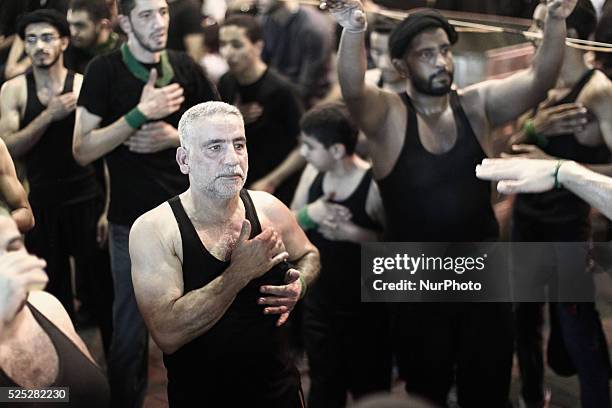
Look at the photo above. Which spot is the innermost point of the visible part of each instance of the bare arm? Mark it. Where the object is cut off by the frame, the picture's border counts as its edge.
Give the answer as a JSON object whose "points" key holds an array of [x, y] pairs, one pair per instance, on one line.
{"points": [[173, 317], [520, 175], [19, 142], [14, 66], [13, 193], [601, 106], [508, 98], [368, 104], [293, 163], [91, 143]]}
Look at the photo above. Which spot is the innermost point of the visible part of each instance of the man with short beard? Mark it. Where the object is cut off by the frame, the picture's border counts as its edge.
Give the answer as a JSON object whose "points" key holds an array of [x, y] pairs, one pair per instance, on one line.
{"points": [[424, 144], [37, 111], [211, 277], [91, 33], [128, 111]]}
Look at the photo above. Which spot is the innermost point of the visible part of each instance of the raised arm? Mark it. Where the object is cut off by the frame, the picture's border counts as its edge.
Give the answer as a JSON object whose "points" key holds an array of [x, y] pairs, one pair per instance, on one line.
{"points": [[13, 193], [369, 105], [173, 317], [506, 99]]}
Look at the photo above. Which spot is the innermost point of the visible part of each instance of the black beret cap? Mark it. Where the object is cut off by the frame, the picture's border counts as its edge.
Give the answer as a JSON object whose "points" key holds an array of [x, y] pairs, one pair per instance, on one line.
{"points": [[415, 23]]}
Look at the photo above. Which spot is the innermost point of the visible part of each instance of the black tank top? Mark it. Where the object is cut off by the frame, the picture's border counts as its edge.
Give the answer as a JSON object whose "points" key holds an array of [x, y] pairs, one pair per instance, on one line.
{"points": [[87, 383], [437, 197], [340, 260], [560, 207], [54, 176], [243, 359]]}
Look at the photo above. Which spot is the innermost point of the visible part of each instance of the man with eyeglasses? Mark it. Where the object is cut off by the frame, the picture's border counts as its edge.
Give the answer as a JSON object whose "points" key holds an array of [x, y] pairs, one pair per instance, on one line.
{"points": [[128, 112], [37, 121], [424, 143]]}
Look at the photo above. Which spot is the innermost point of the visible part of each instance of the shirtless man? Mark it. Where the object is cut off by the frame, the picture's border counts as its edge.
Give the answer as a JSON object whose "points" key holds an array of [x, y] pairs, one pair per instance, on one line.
{"points": [[424, 145], [210, 275], [12, 192], [38, 344]]}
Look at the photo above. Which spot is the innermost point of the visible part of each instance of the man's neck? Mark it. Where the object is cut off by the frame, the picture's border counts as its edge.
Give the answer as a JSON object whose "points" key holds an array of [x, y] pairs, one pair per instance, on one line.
{"points": [[344, 167], [427, 105], [141, 54], [207, 210], [103, 37], [51, 77], [253, 74], [572, 70]]}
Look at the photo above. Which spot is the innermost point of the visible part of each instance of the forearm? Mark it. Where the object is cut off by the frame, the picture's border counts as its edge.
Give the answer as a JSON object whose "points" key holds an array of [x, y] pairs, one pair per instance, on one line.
{"points": [[605, 169], [309, 266], [548, 60], [198, 311], [24, 218], [520, 137], [293, 163], [352, 64], [365, 235], [22, 141], [593, 188], [96, 143]]}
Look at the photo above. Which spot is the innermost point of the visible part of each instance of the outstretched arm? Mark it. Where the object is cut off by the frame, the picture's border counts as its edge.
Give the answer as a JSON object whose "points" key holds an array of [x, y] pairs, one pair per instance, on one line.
{"points": [[508, 98], [520, 175]]}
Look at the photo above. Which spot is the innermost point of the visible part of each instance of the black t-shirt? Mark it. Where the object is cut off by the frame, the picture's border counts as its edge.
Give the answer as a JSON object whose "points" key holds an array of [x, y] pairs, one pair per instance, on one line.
{"points": [[139, 182], [185, 19], [274, 135]]}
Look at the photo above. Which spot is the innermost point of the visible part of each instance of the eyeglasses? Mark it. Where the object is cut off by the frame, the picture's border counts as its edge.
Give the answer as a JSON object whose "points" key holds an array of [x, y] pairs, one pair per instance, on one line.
{"points": [[45, 38]]}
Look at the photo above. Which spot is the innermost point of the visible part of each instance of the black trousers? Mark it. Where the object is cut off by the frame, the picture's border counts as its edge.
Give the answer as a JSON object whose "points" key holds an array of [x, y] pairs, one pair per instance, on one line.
{"points": [[348, 351], [62, 231], [470, 344]]}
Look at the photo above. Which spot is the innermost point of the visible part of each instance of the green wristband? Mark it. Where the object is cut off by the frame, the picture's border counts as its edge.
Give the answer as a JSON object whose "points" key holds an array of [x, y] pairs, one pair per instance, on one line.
{"points": [[305, 221], [303, 281], [135, 118], [556, 174], [534, 137]]}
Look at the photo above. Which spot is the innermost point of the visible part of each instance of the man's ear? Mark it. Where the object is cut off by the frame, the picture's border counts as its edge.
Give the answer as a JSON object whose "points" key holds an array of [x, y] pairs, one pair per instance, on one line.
{"points": [[65, 41], [338, 151], [400, 66], [182, 159], [124, 23], [105, 24]]}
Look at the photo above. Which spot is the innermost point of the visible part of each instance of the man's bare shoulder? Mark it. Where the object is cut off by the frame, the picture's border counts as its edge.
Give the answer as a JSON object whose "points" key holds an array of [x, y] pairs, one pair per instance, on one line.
{"points": [[271, 209], [598, 90], [14, 90], [153, 226]]}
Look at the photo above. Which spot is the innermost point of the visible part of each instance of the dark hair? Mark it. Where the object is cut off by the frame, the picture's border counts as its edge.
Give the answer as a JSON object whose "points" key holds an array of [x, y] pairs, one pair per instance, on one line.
{"points": [[413, 25], [96, 9], [331, 123], [125, 7], [383, 25], [583, 19], [248, 22], [49, 16]]}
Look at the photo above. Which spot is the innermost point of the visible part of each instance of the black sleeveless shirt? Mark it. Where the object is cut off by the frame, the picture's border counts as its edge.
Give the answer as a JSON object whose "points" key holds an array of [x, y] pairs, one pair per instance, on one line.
{"points": [[54, 176], [87, 384], [437, 197], [243, 359], [560, 207], [340, 260]]}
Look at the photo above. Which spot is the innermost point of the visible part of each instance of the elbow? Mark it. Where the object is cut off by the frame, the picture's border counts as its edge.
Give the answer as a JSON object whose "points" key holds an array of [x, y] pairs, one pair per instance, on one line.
{"points": [[166, 342], [80, 156]]}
